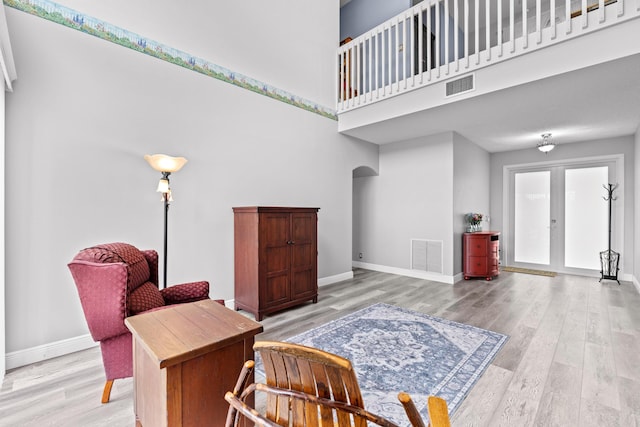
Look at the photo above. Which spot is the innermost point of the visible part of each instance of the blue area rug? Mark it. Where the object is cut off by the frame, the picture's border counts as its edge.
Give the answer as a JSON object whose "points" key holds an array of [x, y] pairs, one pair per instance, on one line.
{"points": [[394, 349]]}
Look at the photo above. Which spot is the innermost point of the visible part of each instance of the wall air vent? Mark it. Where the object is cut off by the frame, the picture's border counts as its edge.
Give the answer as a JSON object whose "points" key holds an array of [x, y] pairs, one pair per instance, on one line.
{"points": [[426, 255], [461, 85]]}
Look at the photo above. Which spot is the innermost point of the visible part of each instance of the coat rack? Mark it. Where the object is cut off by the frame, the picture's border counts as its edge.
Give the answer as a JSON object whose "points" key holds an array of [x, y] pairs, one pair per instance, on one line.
{"points": [[609, 259]]}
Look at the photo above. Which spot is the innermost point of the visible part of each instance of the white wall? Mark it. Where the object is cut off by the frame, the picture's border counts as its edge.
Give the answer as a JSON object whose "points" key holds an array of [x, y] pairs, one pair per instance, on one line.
{"points": [[606, 147], [84, 113], [411, 198], [471, 185], [288, 44]]}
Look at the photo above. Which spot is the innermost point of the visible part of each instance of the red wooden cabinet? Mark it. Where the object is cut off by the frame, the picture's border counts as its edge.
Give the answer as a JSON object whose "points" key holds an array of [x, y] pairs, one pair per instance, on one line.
{"points": [[481, 254], [276, 253]]}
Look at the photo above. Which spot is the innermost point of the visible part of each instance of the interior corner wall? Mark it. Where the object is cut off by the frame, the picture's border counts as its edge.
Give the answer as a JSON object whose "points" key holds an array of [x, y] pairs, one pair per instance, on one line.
{"points": [[78, 123], [2, 228], [636, 262], [567, 152], [471, 184], [412, 198]]}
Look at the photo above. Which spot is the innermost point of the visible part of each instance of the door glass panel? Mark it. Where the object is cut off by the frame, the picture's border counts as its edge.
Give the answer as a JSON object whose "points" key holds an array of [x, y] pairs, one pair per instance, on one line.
{"points": [[531, 217], [586, 217]]}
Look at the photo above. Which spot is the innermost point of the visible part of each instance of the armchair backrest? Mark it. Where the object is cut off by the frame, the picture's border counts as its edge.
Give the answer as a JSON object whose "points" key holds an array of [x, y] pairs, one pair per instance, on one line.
{"points": [[109, 253], [114, 280]]}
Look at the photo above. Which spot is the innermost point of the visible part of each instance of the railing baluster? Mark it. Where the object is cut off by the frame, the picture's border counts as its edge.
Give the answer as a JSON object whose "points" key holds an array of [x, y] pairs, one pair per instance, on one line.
{"points": [[585, 18], [340, 79], [393, 52], [538, 22], [429, 50], [421, 47], [487, 29], [358, 59], [525, 26], [382, 66], [477, 35], [413, 50], [467, 37], [370, 70], [420, 53], [447, 36], [404, 51], [621, 7], [499, 29], [438, 38], [456, 33], [512, 25], [601, 11], [567, 15], [552, 18], [390, 59], [377, 64]]}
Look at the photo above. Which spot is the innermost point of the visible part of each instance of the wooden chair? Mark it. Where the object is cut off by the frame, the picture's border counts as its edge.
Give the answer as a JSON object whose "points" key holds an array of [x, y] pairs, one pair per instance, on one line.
{"points": [[299, 409], [324, 376]]}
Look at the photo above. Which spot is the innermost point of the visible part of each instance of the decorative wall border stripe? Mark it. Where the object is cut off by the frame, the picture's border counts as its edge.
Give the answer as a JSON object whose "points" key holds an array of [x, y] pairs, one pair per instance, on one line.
{"points": [[78, 21]]}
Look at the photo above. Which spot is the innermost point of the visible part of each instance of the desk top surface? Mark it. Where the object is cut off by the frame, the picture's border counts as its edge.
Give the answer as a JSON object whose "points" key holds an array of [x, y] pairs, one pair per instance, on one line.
{"points": [[185, 331]]}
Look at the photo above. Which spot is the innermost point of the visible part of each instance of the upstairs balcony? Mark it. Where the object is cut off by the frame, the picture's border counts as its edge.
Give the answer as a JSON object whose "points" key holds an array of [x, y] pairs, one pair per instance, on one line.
{"points": [[450, 41]]}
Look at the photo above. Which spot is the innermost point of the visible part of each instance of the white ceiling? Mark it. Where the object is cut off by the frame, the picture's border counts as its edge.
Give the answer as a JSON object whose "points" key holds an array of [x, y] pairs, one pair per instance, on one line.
{"points": [[597, 102]]}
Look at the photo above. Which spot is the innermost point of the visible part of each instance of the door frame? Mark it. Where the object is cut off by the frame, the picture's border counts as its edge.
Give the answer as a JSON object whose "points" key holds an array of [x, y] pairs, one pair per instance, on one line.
{"points": [[618, 219]]}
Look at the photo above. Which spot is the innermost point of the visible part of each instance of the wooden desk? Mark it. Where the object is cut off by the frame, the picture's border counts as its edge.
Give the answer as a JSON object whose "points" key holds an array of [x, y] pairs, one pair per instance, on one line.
{"points": [[184, 360]]}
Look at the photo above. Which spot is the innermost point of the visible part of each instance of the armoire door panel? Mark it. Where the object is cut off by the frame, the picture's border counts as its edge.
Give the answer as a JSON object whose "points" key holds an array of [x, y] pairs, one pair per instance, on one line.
{"points": [[303, 283], [302, 256], [277, 290], [275, 229]]}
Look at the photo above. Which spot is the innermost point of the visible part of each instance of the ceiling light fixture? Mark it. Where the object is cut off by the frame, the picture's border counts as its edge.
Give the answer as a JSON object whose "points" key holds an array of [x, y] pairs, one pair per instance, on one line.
{"points": [[545, 145]]}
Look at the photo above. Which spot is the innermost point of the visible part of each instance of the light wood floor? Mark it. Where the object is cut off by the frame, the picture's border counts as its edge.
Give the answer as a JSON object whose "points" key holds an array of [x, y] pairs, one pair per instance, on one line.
{"points": [[573, 356]]}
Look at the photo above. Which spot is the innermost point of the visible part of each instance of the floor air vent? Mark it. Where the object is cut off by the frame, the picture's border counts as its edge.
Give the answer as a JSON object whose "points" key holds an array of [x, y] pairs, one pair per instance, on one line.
{"points": [[426, 255], [460, 85]]}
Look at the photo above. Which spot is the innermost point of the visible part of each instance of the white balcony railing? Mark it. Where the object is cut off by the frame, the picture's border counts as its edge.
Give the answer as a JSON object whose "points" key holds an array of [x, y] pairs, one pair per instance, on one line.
{"points": [[440, 39]]}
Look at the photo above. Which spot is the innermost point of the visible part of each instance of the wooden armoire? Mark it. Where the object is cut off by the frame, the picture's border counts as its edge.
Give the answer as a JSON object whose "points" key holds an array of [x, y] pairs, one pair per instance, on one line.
{"points": [[276, 258]]}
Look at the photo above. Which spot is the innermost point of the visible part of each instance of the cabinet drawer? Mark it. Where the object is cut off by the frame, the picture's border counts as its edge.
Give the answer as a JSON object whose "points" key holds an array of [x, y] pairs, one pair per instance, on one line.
{"points": [[476, 266], [477, 247]]}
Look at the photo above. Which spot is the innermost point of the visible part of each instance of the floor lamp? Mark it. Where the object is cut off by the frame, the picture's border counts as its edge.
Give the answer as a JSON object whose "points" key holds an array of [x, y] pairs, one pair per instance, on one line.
{"points": [[165, 165]]}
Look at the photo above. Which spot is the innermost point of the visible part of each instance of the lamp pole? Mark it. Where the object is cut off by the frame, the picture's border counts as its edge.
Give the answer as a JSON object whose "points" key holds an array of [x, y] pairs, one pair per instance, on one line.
{"points": [[165, 197], [165, 165]]}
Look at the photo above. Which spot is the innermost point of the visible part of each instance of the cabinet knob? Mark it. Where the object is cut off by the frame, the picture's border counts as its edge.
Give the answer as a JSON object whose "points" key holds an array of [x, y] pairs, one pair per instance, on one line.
{"points": [[291, 242]]}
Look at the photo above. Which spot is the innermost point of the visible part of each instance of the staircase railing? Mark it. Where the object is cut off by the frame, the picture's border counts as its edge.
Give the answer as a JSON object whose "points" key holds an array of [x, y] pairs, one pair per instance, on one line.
{"points": [[440, 39]]}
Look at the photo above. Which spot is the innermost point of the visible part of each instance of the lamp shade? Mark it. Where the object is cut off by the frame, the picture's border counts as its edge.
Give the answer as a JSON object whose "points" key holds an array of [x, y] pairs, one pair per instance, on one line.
{"points": [[164, 163], [163, 186]]}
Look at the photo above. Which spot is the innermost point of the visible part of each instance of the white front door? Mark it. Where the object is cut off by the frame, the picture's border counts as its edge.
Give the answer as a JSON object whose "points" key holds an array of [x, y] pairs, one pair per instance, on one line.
{"points": [[558, 217]]}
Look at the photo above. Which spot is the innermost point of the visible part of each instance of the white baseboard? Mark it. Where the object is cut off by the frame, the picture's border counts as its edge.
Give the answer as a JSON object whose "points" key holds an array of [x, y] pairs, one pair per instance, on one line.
{"points": [[323, 281], [406, 272], [39, 353], [635, 283]]}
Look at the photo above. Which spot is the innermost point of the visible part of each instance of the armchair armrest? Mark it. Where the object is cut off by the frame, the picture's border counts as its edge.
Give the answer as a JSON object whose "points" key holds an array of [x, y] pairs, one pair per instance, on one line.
{"points": [[185, 292]]}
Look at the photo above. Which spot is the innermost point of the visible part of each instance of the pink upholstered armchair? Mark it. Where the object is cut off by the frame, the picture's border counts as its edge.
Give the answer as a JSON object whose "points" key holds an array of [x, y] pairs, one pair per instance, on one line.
{"points": [[114, 281]]}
